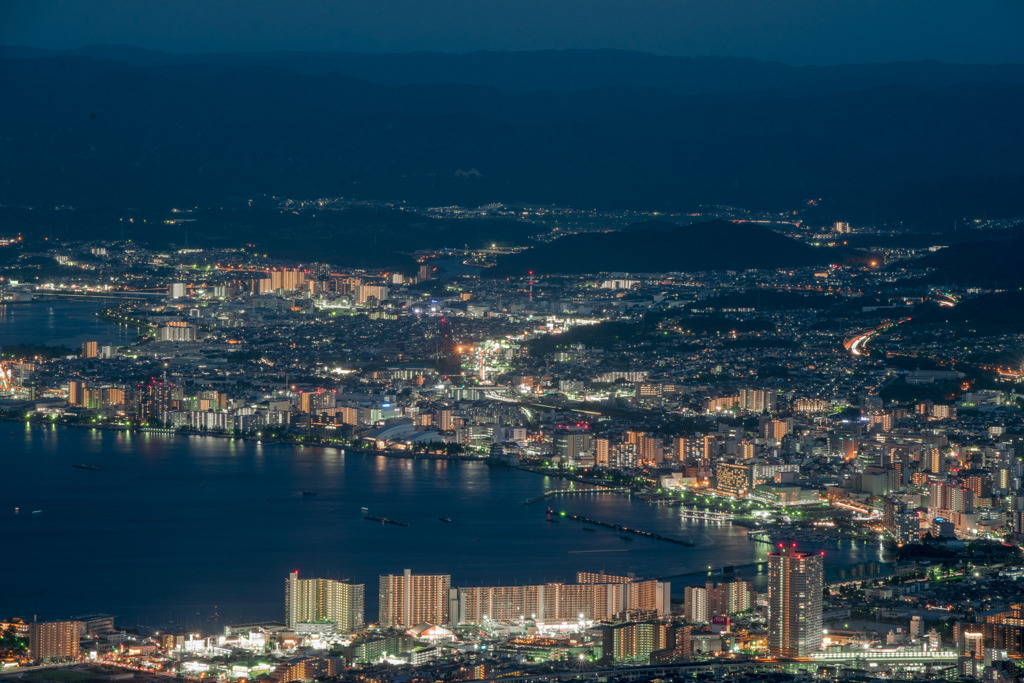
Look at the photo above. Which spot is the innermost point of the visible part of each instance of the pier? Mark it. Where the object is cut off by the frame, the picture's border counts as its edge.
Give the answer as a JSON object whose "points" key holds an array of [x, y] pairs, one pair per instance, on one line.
{"points": [[556, 493], [624, 529], [707, 515]]}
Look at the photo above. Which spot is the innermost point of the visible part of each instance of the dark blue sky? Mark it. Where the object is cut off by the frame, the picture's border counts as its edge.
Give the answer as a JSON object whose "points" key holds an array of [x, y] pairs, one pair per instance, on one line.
{"points": [[793, 31]]}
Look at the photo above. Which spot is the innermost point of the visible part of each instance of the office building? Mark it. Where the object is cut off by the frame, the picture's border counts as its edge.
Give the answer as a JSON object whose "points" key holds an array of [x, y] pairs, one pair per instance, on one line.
{"points": [[795, 585], [571, 443]]}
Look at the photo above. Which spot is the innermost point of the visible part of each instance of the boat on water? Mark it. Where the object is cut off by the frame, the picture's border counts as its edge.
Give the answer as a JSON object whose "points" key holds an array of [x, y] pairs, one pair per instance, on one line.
{"points": [[37, 512], [87, 467], [589, 528], [384, 520], [307, 492], [445, 519]]}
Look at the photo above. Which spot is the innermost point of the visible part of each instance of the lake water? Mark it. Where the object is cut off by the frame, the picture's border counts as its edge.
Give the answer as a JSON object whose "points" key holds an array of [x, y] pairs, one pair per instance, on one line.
{"points": [[55, 322], [173, 530]]}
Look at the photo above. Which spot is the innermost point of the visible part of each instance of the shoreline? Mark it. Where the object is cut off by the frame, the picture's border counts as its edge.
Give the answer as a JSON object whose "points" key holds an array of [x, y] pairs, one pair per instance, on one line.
{"points": [[165, 431]]}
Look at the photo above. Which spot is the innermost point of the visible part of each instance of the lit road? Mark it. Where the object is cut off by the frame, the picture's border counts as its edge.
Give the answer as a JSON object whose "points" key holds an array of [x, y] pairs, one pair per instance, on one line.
{"points": [[856, 345]]}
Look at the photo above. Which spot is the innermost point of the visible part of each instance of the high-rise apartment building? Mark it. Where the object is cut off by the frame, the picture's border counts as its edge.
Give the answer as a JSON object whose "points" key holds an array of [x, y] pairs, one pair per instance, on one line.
{"points": [[695, 605], [53, 640], [731, 597], [944, 496], [595, 596], [324, 600], [319, 401], [76, 393], [176, 331], [157, 398], [777, 429], [409, 599], [634, 642], [651, 449], [1001, 631], [756, 400], [795, 585]]}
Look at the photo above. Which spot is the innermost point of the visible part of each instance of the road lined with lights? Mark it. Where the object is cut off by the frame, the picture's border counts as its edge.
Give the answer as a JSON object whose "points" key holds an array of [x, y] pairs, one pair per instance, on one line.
{"points": [[856, 345]]}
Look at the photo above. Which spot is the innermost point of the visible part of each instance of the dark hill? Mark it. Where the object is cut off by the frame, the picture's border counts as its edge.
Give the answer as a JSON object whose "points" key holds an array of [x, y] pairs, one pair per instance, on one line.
{"points": [[922, 143], [997, 313], [569, 70], [665, 247], [993, 262], [355, 237]]}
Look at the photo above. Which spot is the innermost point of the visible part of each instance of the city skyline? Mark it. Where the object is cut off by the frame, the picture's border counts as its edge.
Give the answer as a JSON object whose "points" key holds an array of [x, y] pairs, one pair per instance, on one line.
{"points": [[673, 340]]}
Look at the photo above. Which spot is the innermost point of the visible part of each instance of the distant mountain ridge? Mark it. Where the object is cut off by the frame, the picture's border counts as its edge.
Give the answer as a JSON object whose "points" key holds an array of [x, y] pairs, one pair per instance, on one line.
{"points": [[993, 261], [562, 70], [661, 247], [108, 126]]}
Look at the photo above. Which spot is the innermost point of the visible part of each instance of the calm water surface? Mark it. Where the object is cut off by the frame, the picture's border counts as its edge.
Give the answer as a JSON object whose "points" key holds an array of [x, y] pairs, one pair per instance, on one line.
{"points": [[56, 322], [176, 529]]}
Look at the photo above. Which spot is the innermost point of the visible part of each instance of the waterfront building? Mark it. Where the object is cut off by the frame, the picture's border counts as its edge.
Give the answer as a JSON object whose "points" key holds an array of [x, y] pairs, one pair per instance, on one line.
{"points": [[595, 597], [408, 599], [53, 640], [571, 443], [322, 601], [733, 479]]}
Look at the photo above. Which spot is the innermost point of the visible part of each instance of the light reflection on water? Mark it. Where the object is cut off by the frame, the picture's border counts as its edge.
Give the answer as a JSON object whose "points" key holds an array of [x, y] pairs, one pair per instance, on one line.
{"points": [[171, 526], [56, 322]]}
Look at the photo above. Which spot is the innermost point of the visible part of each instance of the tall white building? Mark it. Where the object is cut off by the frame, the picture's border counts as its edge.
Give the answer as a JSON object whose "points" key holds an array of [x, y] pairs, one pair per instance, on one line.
{"points": [[695, 605], [175, 331]]}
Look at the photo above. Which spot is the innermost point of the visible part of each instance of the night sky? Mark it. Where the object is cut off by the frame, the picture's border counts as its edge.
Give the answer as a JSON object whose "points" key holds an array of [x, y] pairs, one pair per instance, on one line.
{"points": [[792, 31]]}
